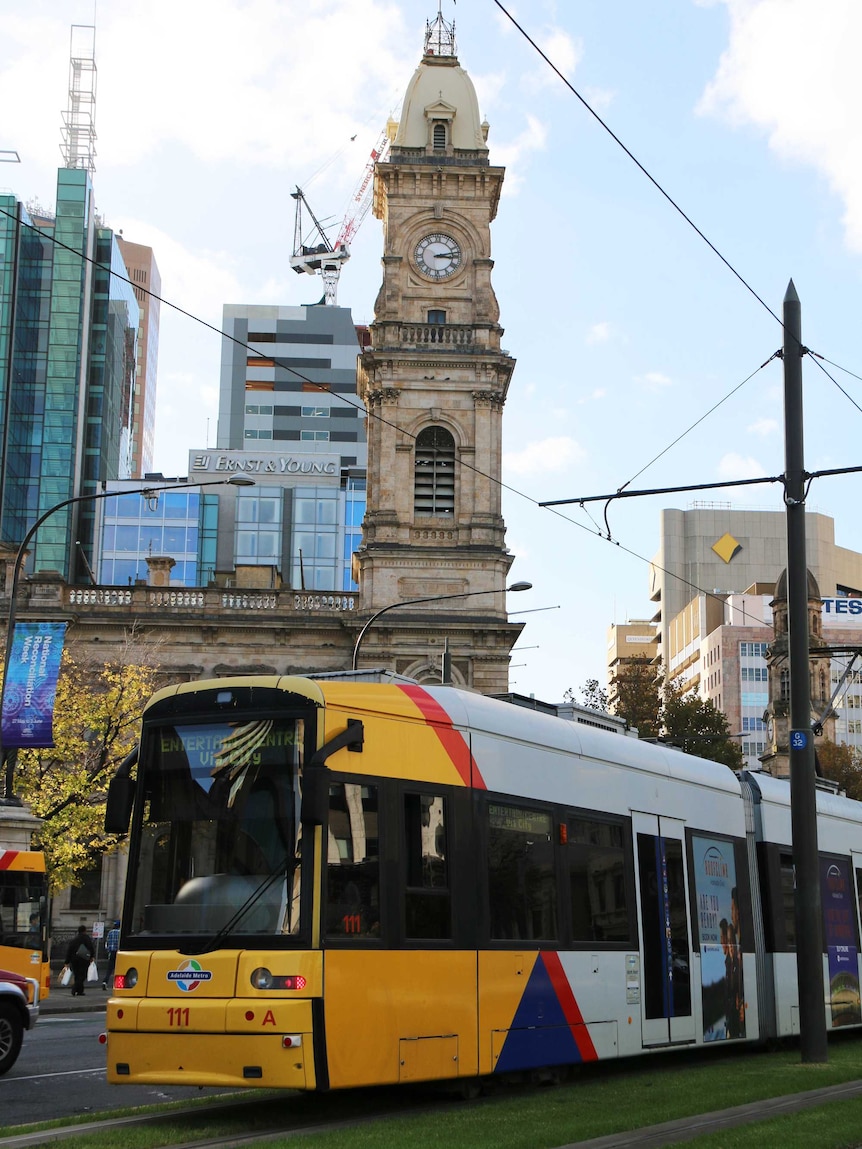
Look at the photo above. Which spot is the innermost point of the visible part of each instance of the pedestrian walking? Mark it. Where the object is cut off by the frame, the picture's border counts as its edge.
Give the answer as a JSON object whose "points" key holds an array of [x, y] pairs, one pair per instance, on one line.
{"points": [[112, 944], [79, 954]]}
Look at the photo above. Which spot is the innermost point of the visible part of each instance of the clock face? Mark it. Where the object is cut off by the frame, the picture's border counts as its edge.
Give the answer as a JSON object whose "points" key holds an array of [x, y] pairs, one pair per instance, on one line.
{"points": [[437, 256]]}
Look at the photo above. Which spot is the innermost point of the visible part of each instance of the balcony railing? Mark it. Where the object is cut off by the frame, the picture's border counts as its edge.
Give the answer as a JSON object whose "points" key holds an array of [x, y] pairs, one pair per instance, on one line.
{"points": [[206, 601]]}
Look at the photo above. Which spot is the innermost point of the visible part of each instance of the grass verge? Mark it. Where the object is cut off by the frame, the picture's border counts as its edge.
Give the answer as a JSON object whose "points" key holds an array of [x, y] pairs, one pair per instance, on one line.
{"points": [[600, 1101]]}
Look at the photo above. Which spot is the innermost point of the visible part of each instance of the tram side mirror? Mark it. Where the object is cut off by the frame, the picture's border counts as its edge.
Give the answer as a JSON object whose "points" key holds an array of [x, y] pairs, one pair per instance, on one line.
{"points": [[315, 796], [118, 808]]}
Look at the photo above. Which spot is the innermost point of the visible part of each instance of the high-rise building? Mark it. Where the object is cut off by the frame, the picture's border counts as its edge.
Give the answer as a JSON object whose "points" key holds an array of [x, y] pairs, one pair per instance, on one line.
{"points": [[716, 548], [288, 376], [68, 330], [147, 284]]}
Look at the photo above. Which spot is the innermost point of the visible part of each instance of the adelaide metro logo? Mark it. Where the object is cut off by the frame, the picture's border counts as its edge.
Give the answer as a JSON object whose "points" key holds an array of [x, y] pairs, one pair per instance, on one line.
{"points": [[189, 975]]}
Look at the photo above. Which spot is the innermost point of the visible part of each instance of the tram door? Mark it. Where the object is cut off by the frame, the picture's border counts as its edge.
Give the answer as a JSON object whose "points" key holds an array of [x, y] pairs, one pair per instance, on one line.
{"points": [[666, 959]]}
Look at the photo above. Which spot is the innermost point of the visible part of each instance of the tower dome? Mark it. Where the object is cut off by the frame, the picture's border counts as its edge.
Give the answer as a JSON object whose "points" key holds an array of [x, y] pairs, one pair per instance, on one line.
{"points": [[441, 93]]}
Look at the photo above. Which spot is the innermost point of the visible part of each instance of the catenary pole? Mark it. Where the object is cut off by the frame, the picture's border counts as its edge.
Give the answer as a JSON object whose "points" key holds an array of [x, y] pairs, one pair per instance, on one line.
{"points": [[803, 793]]}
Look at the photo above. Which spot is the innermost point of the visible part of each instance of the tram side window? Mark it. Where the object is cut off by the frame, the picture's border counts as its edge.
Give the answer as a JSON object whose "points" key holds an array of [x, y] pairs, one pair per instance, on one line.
{"points": [[597, 881], [427, 902], [353, 862], [522, 887]]}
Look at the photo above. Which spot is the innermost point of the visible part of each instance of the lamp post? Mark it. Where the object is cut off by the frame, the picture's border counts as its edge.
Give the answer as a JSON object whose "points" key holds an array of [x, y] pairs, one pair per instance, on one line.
{"points": [[516, 586], [9, 798]]}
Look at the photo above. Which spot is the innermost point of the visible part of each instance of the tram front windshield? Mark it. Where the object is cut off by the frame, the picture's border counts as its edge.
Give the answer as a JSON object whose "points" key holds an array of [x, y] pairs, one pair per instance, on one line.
{"points": [[218, 850]]}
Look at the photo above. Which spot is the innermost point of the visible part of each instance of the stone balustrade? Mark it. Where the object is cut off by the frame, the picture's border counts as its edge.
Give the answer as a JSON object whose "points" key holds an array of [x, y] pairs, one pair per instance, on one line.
{"points": [[205, 601]]}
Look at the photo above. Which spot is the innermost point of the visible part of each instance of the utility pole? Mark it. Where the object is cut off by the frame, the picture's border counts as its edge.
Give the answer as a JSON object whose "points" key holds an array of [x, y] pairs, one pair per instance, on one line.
{"points": [[803, 792]]}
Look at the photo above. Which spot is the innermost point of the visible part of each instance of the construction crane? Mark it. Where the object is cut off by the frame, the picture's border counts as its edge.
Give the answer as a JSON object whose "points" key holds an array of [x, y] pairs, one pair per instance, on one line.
{"points": [[319, 254]]}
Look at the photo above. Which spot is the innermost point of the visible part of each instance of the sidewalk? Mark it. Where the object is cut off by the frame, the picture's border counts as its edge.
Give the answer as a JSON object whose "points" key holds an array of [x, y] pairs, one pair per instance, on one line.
{"points": [[60, 1000]]}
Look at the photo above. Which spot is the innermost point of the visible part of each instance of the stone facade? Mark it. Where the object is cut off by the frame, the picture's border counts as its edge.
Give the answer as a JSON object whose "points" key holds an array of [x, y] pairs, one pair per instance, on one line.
{"points": [[435, 364]]}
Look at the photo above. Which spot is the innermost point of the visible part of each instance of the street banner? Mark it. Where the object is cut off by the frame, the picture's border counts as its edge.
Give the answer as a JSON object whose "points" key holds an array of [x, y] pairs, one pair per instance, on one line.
{"points": [[31, 686]]}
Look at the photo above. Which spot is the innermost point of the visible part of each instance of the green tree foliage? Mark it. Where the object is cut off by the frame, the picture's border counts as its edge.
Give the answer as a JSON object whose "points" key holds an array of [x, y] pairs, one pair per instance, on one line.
{"points": [[843, 764], [696, 726], [593, 696], [96, 723], [637, 689]]}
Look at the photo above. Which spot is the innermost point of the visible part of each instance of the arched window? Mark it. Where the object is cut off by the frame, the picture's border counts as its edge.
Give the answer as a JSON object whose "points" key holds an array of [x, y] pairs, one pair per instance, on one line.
{"points": [[439, 136], [434, 473], [784, 686]]}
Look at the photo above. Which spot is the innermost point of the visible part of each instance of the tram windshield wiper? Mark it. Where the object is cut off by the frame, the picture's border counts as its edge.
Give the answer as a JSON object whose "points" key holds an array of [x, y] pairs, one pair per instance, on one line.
{"points": [[230, 925]]}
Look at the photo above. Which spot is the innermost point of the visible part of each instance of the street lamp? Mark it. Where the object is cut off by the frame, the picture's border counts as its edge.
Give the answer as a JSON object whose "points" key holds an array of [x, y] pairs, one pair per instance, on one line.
{"points": [[516, 586], [147, 492]]}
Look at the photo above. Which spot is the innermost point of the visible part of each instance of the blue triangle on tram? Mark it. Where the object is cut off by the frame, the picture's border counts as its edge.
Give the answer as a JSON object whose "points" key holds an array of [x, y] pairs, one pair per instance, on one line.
{"points": [[540, 1033]]}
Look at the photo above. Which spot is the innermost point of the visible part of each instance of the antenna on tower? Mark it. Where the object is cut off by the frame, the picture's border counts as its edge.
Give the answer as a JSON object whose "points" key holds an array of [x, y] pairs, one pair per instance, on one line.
{"points": [[79, 119]]}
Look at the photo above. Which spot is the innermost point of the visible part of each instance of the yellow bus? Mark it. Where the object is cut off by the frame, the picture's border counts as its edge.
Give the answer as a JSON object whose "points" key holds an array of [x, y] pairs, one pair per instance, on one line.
{"points": [[24, 916]]}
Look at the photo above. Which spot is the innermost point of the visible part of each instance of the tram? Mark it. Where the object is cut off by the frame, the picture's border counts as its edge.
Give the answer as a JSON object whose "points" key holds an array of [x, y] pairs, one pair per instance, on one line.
{"points": [[335, 883]]}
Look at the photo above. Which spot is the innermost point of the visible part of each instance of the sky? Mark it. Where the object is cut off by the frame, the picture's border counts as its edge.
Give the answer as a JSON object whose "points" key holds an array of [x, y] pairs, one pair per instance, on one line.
{"points": [[627, 327]]}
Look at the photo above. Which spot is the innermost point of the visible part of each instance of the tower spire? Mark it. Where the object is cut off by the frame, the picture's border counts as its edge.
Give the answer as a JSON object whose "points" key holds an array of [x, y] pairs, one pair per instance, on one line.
{"points": [[79, 119]]}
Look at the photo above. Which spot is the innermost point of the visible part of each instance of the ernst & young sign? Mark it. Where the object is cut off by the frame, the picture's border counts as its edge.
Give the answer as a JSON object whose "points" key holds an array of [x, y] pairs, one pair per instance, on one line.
{"points": [[252, 463]]}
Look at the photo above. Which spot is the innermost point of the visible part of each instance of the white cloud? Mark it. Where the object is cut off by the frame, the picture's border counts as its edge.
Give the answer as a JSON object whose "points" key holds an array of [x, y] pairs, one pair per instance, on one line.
{"points": [[596, 393], [654, 380], [733, 466], [544, 457], [223, 91], [792, 70], [564, 51], [763, 427], [514, 154], [599, 333]]}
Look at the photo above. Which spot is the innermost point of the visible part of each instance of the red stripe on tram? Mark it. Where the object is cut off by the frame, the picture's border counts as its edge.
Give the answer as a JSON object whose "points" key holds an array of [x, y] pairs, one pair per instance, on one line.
{"points": [[454, 742], [566, 998]]}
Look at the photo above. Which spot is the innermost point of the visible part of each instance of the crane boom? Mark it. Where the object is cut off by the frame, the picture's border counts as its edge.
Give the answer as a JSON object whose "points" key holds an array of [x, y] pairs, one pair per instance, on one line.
{"points": [[319, 255]]}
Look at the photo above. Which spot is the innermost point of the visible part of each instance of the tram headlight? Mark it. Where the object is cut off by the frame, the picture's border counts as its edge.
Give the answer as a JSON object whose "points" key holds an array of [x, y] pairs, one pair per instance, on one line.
{"points": [[262, 978], [130, 980]]}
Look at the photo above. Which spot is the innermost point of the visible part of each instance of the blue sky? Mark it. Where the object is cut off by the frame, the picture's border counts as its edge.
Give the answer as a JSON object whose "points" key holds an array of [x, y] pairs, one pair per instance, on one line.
{"points": [[626, 327]]}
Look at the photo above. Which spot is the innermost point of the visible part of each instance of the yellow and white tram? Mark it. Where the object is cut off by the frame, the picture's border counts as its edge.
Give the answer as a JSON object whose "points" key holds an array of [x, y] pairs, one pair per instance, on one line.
{"points": [[336, 883]]}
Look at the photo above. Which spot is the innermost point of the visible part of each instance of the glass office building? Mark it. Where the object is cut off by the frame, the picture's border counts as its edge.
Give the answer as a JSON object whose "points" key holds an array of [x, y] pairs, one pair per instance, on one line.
{"points": [[134, 528], [67, 354], [307, 532]]}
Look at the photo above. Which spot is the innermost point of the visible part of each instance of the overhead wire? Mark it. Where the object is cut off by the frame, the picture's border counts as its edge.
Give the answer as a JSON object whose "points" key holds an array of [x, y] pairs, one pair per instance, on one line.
{"points": [[361, 407], [340, 397], [637, 162]]}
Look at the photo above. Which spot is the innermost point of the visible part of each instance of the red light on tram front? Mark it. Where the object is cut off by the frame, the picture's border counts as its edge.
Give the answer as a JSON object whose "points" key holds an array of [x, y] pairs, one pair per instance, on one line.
{"points": [[119, 981]]}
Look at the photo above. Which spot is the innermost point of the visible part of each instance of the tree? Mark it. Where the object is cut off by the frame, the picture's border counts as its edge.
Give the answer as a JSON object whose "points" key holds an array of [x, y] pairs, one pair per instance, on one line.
{"points": [[96, 723], [696, 726], [636, 687], [843, 764], [592, 695]]}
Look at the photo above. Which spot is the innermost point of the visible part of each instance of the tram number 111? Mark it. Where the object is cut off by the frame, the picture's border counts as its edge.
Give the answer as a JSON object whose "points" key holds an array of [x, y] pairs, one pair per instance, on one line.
{"points": [[178, 1016]]}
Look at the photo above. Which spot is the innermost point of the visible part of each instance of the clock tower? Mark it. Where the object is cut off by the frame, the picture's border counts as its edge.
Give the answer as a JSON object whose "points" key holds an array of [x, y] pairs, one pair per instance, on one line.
{"points": [[434, 382]]}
